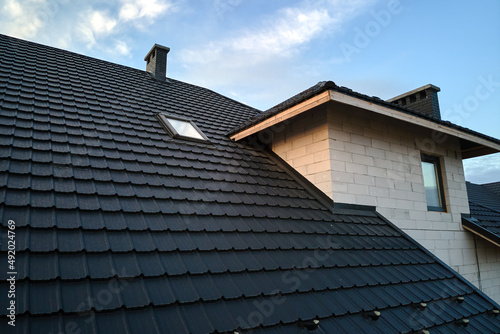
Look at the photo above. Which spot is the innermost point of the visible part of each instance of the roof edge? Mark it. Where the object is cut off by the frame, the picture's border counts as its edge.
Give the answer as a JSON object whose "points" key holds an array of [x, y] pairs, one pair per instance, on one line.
{"points": [[245, 129], [319, 88], [326, 201], [437, 259], [353, 209], [469, 224]]}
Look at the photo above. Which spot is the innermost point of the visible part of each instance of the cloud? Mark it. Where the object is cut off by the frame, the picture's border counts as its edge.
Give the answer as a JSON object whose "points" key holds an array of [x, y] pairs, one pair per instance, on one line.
{"points": [[281, 34], [270, 47], [95, 24], [101, 23], [23, 19], [101, 26], [133, 10], [121, 48], [484, 169], [293, 28]]}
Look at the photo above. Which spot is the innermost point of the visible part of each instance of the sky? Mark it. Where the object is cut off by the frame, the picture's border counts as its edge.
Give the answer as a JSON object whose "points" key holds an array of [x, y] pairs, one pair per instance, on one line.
{"points": [[261, 52]]}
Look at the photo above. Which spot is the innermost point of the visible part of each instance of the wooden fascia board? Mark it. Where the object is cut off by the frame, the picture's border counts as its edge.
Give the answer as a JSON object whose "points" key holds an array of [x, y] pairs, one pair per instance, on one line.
{"points": [[284, 115], [477, 151], [332, 95], [480, 235], [346, 99]]}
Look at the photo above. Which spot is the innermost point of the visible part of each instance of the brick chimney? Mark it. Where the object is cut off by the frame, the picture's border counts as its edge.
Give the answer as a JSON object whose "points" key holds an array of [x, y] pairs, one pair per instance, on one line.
{"points": [[157, 61], [423, 100]]}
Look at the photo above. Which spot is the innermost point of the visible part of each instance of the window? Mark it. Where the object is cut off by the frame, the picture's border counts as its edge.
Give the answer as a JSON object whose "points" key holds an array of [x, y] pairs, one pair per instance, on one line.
{"points": [[433, 183], [182, 128]]}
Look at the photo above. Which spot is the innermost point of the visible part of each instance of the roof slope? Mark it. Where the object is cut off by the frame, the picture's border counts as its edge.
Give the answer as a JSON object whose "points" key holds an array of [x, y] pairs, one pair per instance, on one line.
{"points": [[122, 229], [494, 186], [485, 210]]}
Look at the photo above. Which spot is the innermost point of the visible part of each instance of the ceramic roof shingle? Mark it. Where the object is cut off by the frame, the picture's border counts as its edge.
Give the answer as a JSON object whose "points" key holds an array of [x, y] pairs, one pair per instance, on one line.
{"points": [[484, 207], [121, 228]]}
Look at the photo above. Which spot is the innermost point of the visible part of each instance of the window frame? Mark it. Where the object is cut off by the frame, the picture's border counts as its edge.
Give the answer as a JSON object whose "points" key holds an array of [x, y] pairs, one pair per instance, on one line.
{"points": [[164, 121], [436, 161]]}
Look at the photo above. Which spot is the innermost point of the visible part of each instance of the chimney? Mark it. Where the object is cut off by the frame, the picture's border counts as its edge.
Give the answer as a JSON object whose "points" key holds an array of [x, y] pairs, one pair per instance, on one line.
{"points": [[423, 99], [157, 61]]}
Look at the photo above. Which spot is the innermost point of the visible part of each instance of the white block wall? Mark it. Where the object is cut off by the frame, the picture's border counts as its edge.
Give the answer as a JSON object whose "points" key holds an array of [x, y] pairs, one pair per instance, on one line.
{"points": [[360, 157]]}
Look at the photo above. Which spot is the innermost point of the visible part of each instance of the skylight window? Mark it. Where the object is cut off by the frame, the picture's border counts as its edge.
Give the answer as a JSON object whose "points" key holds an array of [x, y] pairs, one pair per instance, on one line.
{"points": [[182, 128]]}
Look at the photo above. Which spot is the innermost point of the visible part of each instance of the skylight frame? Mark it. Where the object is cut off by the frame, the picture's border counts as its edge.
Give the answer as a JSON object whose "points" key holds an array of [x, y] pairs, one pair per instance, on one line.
{"points": [[172, 131]]}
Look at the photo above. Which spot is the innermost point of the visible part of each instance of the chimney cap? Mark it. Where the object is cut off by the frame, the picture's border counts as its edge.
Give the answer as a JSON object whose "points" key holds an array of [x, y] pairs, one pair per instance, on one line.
{"points": [[156, 46], [429, 86]]}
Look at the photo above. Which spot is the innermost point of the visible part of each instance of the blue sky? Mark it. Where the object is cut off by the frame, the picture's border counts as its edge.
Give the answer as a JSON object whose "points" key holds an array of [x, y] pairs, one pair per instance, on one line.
{"points": [[262, 52]]}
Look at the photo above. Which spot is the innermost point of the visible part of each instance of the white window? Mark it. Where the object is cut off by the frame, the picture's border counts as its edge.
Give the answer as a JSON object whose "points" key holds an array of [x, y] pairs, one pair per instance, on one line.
{"points": [[181, 128], [433, 183]]}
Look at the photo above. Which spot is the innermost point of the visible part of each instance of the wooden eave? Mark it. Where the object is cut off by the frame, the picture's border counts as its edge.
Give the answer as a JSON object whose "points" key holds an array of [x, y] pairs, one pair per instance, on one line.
{"points": [[470, 226], [472, 145]]}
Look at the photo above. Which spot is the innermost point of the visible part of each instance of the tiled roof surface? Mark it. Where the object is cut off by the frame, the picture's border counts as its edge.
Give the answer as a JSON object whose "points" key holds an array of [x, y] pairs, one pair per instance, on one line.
{"points": [[485, 208], [122, 229], [330, 85], [494, 186]]}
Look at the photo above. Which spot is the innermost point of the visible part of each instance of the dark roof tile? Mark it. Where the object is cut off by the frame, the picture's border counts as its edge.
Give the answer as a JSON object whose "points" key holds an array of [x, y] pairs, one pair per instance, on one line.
{"points": [[43, 267], [120, 241], [100, 265], [18, 181], [67, 219], [160, 292], [75, 296], [42, 240], [120, 228], [73, 266], [88, 202], [20, 167], [484, 204], [49, 293]]}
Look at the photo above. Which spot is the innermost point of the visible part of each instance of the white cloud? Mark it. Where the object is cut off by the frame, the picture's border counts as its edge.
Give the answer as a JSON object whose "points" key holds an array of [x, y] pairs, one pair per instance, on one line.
{"points": [[280, 36], [270, 48], [68, 24], [13, 8], [133, 10], [483, 169], [101, 23], [293, 28], [23, 19], [121, 48], [95, 24]]}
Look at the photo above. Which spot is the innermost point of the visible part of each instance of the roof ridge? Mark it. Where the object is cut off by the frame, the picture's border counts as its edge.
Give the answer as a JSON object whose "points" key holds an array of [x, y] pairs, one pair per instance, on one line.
{"points": [[18, 40], [54, 48]]}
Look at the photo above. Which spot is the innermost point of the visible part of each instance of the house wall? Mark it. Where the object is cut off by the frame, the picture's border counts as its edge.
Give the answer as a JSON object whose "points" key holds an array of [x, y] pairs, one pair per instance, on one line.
{"points": [[305, 145], [360, 157], [489, 268]]}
